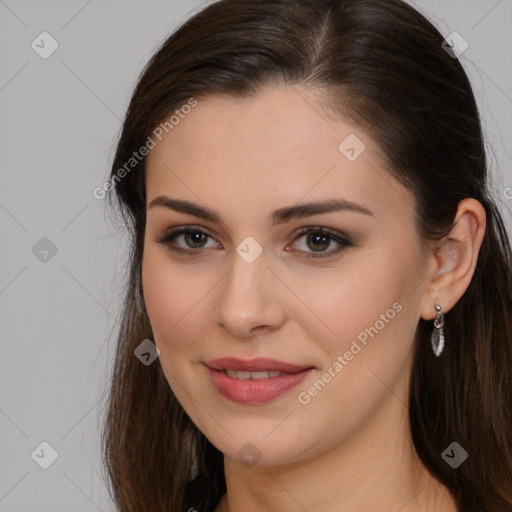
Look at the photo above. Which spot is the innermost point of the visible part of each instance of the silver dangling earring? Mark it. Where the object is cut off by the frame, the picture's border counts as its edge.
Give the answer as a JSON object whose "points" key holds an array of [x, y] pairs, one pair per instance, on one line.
{"points": [[437, 338]]}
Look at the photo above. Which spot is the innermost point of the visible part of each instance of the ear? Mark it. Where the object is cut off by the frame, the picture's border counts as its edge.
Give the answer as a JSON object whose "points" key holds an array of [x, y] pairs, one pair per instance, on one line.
{"points": [[454, 259]]}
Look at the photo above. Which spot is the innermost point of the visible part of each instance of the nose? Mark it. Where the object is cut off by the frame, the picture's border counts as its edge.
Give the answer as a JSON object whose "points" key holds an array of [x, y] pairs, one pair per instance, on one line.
{"points": [[251, 298]]}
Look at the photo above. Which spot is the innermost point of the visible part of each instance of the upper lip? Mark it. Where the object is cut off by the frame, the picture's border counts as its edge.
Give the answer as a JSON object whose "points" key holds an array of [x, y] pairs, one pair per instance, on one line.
{"points": [[255, 365]]}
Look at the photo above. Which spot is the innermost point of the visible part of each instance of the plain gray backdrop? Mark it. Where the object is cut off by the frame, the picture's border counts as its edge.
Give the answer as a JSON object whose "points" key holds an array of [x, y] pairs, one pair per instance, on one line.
{"points": [[62, 261]]}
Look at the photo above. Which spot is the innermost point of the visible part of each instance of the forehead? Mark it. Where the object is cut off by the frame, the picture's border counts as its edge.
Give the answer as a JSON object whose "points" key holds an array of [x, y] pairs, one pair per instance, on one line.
{"points": [[276, 147]]}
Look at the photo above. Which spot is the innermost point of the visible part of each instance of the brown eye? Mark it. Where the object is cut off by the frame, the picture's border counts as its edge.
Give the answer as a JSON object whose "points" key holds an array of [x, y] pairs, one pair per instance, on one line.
{"points": [[190, 239], [195, 239], [317, 240]]}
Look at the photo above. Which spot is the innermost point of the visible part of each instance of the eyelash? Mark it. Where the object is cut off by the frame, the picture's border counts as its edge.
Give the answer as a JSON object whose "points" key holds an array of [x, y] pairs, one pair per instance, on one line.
{"points": [[339, 238]]}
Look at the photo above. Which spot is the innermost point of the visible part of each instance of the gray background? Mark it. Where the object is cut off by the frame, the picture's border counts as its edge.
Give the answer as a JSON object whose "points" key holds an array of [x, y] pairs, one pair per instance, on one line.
{"points": [[60, 118]]}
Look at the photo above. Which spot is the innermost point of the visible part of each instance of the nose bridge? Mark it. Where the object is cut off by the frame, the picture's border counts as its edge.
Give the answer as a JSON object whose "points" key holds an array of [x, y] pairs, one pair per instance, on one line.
{"points": [[247, 300]]}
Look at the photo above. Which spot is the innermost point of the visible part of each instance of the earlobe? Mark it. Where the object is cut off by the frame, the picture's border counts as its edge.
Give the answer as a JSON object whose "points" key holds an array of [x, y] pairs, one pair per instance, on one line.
{"points": [[456, 259]]}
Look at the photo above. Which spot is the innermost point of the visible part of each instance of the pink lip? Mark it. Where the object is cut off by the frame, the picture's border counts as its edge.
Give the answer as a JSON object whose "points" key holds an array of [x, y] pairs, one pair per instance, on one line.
{"points": [[255, 391], [260, 364]]}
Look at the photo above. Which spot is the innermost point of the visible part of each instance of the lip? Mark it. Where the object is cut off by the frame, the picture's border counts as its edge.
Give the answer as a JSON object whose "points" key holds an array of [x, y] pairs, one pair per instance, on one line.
{"points": [[255, 391], [259, 364]]}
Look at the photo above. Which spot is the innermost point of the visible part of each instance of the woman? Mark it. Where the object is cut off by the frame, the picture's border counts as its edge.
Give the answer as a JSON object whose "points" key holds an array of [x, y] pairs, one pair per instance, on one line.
{"points": [[318, 311]]}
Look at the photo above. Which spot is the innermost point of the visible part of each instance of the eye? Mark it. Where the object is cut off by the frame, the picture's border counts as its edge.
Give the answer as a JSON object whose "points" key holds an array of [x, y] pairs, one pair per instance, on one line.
{"points": [[319, 239], [192, 237]]}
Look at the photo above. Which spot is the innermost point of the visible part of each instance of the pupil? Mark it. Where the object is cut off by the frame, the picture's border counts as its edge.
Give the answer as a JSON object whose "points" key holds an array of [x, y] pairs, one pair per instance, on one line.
{"points": [[195, 237], [319, 238]]}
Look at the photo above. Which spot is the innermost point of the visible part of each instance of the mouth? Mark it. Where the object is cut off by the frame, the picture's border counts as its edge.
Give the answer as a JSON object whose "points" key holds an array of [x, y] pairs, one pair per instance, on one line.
{"points": [[255, 366], [243, 375], [256, 381]]}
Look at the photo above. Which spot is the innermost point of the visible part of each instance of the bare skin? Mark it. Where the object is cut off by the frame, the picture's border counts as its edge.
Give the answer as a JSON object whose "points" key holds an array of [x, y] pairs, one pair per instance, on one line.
{"points": [[348, 447]]}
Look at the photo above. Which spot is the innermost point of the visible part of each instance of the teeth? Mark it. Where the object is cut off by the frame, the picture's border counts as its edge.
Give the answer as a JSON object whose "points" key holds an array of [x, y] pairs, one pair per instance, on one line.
{"points": [[242, 375]]}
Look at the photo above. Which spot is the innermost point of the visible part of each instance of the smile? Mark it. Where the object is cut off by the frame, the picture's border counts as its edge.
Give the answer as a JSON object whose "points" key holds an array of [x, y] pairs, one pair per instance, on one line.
{"points": [[255, 387]]}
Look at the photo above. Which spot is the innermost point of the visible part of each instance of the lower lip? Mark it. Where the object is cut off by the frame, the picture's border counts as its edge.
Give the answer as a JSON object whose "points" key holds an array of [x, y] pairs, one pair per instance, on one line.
{"points": [[256, 391]]}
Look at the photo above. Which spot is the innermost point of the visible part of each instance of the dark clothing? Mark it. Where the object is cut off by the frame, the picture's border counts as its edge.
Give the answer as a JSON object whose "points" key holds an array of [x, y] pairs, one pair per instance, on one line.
{"points": [[199, 495]]}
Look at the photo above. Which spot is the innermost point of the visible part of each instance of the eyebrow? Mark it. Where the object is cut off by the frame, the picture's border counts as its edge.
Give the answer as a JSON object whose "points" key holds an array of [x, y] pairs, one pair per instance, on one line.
{"points": [[279, 216]]}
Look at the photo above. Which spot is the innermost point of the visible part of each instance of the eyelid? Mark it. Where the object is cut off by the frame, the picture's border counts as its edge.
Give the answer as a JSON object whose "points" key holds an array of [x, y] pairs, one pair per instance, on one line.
{"points": [[343, 240], [171, 234]]}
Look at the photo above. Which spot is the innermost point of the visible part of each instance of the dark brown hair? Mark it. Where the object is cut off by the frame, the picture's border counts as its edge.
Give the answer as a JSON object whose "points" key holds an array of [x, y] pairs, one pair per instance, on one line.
{"points": [[379, 63]]}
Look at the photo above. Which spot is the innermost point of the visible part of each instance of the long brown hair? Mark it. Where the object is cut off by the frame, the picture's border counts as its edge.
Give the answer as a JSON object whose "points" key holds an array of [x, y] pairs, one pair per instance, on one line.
{"points": [[381, 64]]}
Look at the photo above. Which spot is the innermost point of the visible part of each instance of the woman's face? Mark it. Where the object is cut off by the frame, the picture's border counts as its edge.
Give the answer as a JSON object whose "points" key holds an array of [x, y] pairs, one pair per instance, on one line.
{"points": [[343, 300]]}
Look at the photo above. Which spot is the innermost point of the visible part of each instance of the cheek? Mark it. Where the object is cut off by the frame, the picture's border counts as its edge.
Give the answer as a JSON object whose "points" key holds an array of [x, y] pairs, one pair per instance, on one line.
{"points": [[367, 297], [373, 317], [375, 312], [174, 299]]}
